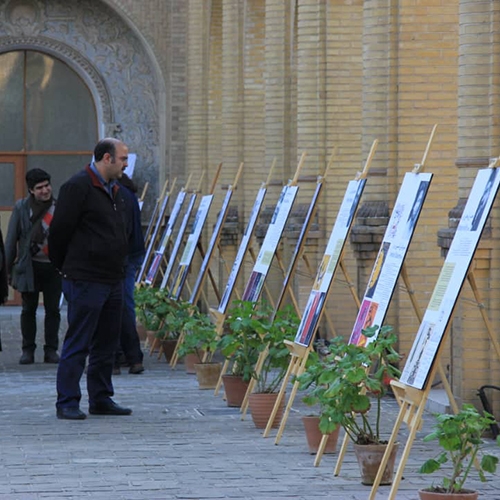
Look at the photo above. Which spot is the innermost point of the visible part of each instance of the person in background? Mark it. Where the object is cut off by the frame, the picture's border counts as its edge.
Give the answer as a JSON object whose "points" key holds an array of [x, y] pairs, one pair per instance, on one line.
{"points": [[4, 287], [29, 268], [129, 339], [88, 243]]}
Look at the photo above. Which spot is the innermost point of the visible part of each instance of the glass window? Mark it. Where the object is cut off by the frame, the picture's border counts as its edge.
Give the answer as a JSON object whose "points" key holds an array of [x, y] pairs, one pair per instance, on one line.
{"points": [[7, 174], [11, 101], [60, 113], [60, 167]]}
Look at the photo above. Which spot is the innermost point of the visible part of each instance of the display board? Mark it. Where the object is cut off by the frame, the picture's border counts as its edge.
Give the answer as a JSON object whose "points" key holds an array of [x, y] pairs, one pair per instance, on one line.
{"points": [[453, 273], [160, 252], [178, 240], [154, 235], [214, 240], [267, 251], [190, 248], [391, 255], [242, 250], [328, 266]]}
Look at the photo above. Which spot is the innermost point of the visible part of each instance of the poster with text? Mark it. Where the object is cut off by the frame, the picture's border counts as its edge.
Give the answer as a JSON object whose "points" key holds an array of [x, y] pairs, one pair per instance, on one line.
{"points": [[299, 245], [328, 265], [158, 255], [391, 255], [263, 262], [211, 246], [242, 250], [451, 278], [190, 248]]}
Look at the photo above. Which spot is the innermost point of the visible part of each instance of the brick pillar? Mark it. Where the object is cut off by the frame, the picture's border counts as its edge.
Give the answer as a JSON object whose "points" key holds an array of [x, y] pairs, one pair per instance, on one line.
{"points": [[473, 362], [379, 122]]}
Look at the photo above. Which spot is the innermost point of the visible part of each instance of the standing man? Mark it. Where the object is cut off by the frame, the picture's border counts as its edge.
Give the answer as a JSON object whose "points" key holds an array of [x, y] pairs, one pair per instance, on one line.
{"points": [[29, 268], [88, 243]]}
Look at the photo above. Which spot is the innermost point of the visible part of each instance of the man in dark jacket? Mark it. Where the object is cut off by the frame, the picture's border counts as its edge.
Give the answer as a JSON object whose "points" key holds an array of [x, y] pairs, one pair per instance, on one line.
{"points": [[88, 243], [29, 268], [129, 339]]}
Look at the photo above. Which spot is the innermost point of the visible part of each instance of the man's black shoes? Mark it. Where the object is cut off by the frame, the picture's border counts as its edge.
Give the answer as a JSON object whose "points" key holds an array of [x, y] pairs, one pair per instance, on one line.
{"points": [[51, 357], [109, 408], [70, 413], [27, 358]]}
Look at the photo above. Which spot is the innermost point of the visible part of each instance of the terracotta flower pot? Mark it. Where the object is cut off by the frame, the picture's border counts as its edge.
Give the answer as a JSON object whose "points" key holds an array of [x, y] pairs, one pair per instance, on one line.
{"points": [[235, 390], [151, 336], [207, 374], [261, 406], [189, 361], [314, 435], [434, 495], [168, 346], [141, 331], [369, 457]]}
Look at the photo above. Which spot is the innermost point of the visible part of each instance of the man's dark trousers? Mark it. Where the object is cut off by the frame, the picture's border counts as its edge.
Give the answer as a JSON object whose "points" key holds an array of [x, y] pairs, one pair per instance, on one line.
{"points": [[47, 281], [94, 323]]}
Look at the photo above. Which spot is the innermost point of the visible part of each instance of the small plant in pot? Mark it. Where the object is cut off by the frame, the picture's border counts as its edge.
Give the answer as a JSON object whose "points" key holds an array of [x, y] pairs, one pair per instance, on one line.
{"points": [[276, 360], [147, 299], [240, 345], [201, 339], [348, 385], [459, 436]]}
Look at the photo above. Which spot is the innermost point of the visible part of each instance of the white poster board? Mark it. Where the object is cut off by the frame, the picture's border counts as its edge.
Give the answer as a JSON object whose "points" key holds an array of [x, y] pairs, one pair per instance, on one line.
{"points": [[152, 240], [391, 255], [263, 262], [160, 252], [190, 248], [178, 240], [328, 266], [211, 246], [242, 250], [453, 274]]}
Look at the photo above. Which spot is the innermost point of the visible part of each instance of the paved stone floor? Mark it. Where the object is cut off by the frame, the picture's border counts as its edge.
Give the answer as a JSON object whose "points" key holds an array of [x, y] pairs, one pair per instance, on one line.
{"points": [[180, 443]]}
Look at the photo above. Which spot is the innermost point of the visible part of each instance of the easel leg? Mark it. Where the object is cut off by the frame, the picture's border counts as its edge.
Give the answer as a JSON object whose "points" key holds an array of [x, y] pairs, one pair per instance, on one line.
{"points": [[281, 394]]}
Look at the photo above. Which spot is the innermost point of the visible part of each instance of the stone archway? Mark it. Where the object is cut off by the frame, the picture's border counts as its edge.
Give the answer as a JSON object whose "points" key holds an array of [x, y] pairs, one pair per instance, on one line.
{"points": [[95, 41]]}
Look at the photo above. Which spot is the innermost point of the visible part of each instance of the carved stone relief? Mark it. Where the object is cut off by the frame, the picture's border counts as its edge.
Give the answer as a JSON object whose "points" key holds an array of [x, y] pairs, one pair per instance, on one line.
{"points": [[91, 37]]}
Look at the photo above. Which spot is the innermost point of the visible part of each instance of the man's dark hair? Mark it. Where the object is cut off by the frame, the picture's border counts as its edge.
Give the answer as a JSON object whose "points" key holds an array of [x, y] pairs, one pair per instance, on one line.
{"points": [[35, 176], [104, 146]]}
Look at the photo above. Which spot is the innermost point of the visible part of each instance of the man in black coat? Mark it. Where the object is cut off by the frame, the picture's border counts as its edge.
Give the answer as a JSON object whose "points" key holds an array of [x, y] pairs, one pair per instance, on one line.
{"points": [[88, 243]]}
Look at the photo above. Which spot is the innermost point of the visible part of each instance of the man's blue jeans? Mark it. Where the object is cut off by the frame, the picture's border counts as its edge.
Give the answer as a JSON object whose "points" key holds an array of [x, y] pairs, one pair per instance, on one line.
{"points": [[94, 323]]}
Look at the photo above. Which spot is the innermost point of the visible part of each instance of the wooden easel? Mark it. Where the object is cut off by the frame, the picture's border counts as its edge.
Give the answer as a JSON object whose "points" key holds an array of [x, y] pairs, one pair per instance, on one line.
{"points": [[154, 215], [159, 254], [181, 234], [143, 195], [412, 401], [218, 319], [299, 353], [286, 288], [207, 256], [156, 231]]}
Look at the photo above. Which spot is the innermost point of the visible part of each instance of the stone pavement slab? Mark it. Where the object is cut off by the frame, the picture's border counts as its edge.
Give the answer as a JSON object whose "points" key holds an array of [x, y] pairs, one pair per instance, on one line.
{"points": [[179, 443]]}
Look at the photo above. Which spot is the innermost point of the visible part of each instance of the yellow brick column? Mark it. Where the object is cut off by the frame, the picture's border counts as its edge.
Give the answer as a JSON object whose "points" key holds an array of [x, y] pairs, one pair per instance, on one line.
{"points": [[197, 85], [280, 119], [379, 122], [473, 360]]}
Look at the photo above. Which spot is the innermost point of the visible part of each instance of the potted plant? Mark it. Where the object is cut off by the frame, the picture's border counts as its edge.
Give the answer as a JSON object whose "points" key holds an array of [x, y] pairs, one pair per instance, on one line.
{"points": [[240, 345], [348, 385], [276, 360], [201, 340], [459, 436], [146, 301]]}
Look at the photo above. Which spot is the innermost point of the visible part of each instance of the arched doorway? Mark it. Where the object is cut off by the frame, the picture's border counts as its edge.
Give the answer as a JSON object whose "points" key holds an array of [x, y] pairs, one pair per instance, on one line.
{"points": [[48, 121]]}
